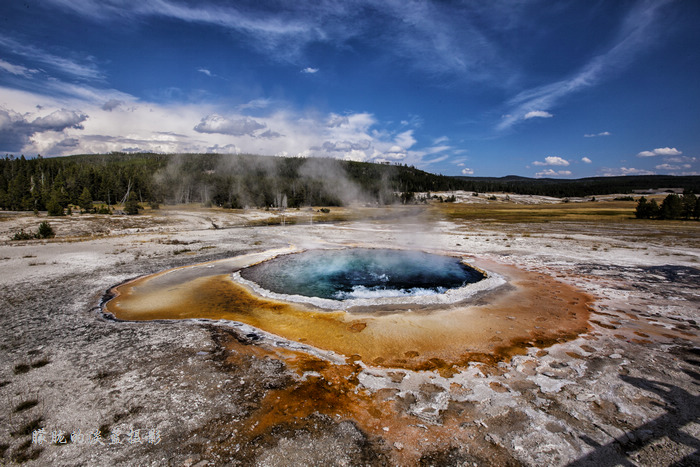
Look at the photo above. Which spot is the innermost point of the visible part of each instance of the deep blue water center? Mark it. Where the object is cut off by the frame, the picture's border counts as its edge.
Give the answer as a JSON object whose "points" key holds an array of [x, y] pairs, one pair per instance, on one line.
{"points": [[361, 273]]}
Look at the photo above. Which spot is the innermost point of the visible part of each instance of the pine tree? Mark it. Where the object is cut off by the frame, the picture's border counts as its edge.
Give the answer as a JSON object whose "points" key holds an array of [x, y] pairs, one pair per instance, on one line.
{"points": [[45, 231], [131, 207], [671, 207], [54, 207], [654, 209], [688, 202], [85, 200], [642, 211]]}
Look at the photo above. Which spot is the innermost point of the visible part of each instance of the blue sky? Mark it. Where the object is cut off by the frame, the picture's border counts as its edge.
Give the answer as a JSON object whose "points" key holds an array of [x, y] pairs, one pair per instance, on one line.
{"points": [[564, 89]]}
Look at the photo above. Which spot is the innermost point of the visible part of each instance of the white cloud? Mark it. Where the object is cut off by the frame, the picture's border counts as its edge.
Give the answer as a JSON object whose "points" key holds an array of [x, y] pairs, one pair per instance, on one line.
{"points": [[310, 70], [610, 172], [667, 151], [215, 123], [405, 139], [593, 135], [19, 130], [660, 152], [59, 120], [123, 123], [440, 140], [552, 160], [394, 153], [537, 114], [553, 173], [467, 171], [205, 71], [586, 160]]}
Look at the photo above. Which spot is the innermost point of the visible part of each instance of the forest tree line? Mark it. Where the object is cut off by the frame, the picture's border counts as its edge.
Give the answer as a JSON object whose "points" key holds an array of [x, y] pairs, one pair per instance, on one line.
{"points": [[231, 181], [237, 181], [672, 207]]}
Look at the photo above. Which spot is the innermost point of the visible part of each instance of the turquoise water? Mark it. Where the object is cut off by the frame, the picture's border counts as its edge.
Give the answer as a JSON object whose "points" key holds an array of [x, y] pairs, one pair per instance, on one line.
{"points": [[361, 273]]}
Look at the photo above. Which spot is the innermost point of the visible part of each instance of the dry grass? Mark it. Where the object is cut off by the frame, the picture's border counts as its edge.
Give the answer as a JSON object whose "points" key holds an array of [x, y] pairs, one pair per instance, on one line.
{"points": [[612, 211]]}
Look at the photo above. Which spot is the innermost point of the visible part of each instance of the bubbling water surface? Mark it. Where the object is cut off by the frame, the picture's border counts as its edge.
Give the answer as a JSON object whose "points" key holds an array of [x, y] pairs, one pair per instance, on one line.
{"points": [[361, 273]]}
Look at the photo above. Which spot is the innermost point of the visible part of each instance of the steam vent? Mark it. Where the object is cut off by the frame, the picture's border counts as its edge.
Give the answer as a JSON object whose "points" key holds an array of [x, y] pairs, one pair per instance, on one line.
{"points": [[385, 308]]}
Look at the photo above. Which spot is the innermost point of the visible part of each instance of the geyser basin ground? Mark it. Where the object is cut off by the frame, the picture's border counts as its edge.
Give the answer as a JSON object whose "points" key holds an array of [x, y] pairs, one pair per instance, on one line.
{"points": [[521, 310]]}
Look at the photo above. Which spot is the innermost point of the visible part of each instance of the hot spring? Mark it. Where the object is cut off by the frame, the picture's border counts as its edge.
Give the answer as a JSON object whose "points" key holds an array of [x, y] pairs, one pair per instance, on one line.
{"points": [[361, 273], [385, 307]]}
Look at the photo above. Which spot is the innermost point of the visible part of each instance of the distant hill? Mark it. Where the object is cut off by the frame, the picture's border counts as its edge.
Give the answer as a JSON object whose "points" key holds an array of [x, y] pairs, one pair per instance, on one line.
{"points": [[252, 180], [581, 187]]}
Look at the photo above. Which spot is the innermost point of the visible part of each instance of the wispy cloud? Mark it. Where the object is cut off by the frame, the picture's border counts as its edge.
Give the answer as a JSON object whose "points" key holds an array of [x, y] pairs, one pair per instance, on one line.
{"points": [[18, 70], [205, 71], [593, 135], [436, 149], [668, 167], [635, 33], [309, 70], [72, 68], [261, 103], [660, 152], [436, 160], [434, 37], [681, 159]]}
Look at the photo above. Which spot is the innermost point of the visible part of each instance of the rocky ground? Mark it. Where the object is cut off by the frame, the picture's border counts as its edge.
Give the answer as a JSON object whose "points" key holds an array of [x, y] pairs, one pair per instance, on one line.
{"points": [[197, 392]]}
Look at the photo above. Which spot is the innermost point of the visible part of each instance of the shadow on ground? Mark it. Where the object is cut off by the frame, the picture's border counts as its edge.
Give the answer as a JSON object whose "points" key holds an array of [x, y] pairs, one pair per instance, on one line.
{"points": [[682, 409]]}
